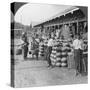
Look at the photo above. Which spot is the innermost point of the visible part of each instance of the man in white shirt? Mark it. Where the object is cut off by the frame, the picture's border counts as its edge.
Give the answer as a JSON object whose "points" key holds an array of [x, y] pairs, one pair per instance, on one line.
{"points": [[77, 45], [49, 49], [50, 42]]}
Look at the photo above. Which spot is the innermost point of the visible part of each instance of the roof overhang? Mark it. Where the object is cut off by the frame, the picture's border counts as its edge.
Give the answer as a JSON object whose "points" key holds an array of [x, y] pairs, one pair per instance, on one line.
{"points": [[16, 5]]}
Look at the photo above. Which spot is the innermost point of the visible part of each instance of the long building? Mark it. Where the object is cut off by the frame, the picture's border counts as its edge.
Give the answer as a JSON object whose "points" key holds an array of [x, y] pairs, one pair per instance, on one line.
{"points": [[76, 16]]}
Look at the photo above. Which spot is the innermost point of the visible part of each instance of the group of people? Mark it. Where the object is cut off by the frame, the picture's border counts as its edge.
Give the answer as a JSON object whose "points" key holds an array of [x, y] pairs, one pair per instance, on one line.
{"points": [[78, 48], [77, 45], [80, 64], [25, 46]]}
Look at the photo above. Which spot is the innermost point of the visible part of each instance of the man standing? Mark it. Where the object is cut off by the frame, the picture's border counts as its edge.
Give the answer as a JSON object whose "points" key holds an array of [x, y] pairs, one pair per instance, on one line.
{"points": [[77, 45], [49, 49], [25, 45]]}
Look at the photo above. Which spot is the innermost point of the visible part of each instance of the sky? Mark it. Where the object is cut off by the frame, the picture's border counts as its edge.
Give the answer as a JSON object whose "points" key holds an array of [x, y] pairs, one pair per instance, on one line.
{"points": [[36, 13]]}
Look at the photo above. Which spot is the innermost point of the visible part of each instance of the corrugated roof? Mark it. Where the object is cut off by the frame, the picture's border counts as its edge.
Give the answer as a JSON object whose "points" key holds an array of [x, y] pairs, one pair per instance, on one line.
{"points": [[71, 9], [68, 10]]}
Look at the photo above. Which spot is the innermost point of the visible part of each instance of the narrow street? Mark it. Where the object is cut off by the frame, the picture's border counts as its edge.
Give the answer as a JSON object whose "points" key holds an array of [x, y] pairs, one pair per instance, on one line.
{"points": [[36, 73]]}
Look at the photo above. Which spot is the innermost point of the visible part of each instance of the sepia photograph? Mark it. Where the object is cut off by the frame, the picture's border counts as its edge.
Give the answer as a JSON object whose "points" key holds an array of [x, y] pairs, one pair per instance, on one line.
{"points": [[49, 44]]}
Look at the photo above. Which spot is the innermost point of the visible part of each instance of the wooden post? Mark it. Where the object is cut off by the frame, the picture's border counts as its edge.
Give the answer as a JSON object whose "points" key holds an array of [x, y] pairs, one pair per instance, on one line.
{"points": [[58, 26], [77, 28]]}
